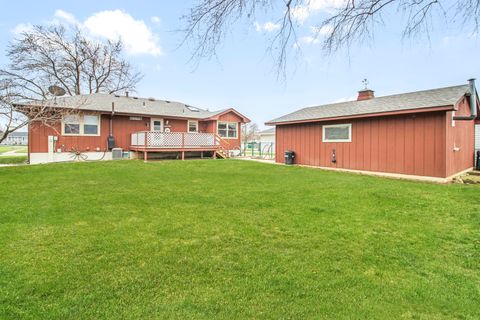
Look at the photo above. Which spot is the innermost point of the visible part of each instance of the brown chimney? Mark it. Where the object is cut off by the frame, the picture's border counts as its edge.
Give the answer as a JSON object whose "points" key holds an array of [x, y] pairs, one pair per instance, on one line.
{"points": [[365, 94]]}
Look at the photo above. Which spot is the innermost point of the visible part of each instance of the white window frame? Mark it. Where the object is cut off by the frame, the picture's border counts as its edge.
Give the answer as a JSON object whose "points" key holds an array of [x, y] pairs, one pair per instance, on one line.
{"points": [[162, 124], [227, 123], [81, 123], [196, 126], [349, 125]]}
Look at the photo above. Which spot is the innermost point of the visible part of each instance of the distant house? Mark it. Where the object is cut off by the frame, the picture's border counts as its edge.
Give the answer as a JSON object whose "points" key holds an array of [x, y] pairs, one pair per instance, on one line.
{"points": [[267, 136], [102, 126], [16, 138], [424, 133]]}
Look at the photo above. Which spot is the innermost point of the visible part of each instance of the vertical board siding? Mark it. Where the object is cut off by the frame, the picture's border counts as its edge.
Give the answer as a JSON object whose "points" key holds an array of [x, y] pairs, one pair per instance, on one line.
{"points": [[123, 127], [407, 144], [232, 117], [461, 136]]}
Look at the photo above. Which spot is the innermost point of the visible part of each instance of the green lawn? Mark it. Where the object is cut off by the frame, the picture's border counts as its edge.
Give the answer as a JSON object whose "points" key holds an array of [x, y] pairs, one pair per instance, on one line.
{"points": [[17, 149], [13, 159], [233, 240]]}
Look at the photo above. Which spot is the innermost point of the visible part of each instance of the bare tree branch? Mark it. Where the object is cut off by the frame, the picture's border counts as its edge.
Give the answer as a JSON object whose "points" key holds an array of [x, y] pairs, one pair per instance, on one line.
{"points": [[348, 22], [53, 55]]}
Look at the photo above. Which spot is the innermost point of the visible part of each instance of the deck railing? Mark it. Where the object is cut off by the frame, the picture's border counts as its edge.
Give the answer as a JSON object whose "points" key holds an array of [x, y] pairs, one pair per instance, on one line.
{"points": [[181, 140]]}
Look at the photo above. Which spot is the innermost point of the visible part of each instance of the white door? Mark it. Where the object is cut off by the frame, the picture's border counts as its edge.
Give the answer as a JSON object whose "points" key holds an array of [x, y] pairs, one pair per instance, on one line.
{"points": [[156, 124], [156, 137]]}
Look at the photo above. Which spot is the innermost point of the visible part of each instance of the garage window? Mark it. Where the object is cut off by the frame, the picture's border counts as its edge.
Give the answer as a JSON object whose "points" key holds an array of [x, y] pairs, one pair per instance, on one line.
{"points": [[337, 133]]}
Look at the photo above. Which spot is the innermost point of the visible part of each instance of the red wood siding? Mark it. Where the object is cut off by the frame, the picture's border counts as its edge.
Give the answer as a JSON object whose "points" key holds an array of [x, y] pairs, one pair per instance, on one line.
{"points": [[176, 125], [122, 128], [232, 117], [408, 144], [461, 136]]}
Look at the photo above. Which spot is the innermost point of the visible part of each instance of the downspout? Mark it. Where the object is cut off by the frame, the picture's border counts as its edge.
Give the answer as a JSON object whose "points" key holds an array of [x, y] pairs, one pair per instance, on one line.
{"points": [[111, 139], [473, 102]]}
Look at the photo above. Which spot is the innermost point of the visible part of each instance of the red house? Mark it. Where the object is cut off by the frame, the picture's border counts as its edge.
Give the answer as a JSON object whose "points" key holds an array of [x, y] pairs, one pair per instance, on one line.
{"points": [[426, 133], [104, 126]]}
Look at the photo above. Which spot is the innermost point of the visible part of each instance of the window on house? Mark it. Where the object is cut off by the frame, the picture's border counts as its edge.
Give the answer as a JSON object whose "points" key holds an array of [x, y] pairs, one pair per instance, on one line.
{"points": [[192, 126], [227, 129], [337, 133], [80, 125], [90, 125], [157, 125], [71, 124]]}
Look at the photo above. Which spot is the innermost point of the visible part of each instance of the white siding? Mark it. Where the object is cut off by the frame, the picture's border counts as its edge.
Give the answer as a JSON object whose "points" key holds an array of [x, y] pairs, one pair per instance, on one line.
{"points": [[477, 137]]}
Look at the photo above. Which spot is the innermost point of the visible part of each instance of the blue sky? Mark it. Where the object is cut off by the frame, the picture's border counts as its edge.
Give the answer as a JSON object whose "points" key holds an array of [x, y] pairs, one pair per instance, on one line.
{"points": [[243, 74]]}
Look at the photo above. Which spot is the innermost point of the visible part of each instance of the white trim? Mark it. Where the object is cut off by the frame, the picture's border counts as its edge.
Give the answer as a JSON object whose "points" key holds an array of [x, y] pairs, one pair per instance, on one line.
{"points": [[162, 126], [196, 125], [45, 157], [227, 122], [81, 123], [349, 125]]}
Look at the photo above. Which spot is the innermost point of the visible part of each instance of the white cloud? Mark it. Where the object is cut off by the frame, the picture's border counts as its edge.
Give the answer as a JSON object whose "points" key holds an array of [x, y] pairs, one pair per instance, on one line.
{"points": [[155, 19], [317, 35], [137, 37], [302, 12], [267, 26], [64, 16], [309, 40], [22, 27]]}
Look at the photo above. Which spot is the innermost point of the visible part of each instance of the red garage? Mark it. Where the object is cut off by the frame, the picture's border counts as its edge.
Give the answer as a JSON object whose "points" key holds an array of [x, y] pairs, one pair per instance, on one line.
{"points": [[425, 133]]}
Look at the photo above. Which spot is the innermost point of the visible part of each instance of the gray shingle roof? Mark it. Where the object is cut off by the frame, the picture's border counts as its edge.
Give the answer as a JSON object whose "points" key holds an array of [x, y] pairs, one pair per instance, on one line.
{"points": [[130, 105], [399, 102], [267, 131]]}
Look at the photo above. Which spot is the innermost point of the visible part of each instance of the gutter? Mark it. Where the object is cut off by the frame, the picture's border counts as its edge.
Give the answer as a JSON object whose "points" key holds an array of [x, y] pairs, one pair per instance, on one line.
{"points": [[365, 115], [473, 103]]}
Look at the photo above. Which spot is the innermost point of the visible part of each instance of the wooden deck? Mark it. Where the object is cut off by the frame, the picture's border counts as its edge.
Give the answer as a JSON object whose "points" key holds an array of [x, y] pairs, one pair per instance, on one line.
{"points": [[156, 141]]}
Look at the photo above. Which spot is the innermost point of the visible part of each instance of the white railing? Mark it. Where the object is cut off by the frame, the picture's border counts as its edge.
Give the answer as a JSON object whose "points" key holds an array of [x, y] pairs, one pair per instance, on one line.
{"points": [[157, 139]]}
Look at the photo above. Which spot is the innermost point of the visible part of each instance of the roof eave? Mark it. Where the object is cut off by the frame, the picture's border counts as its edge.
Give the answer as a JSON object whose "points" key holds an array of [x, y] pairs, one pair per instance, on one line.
{"points": [[365, 115], [217, 115]]}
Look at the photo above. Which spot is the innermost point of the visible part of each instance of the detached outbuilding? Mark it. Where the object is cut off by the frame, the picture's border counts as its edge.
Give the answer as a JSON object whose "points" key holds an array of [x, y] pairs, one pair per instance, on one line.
{"points": [[427, 133]]}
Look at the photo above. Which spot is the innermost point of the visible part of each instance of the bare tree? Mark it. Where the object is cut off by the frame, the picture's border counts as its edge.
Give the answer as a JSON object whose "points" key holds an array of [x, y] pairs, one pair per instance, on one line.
{"points": [[56, 56], [250, 132], [347, 21], [14, 117]]}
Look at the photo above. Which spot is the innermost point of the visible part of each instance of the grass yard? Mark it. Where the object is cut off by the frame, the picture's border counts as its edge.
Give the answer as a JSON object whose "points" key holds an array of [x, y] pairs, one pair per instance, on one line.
{"points": [[16, 149], [13, 159], [233, 240]]}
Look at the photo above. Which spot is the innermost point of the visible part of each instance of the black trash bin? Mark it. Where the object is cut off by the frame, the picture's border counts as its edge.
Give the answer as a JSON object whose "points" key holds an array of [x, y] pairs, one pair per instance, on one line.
{"points": [[478, 160], [289, 157]]}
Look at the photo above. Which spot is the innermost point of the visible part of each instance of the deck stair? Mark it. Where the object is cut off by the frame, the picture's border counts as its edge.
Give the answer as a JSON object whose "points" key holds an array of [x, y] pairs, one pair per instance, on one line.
{"points": [[223, 147]]}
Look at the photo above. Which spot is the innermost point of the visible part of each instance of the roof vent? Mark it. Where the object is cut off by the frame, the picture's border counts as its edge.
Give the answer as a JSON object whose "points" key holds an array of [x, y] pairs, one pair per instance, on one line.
{"points": [[151, 99], [116, 96], [136, 98]]}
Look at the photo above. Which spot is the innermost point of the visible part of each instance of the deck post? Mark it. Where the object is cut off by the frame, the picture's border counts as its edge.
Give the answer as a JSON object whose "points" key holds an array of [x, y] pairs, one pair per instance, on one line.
{"points": [[214, 154], [201, 154], [183, 155], [145, 156]]}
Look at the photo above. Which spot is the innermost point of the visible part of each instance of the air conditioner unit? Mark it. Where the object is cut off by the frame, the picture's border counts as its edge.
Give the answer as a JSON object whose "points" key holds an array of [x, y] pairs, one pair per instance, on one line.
{"points": [[117, 153]]}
